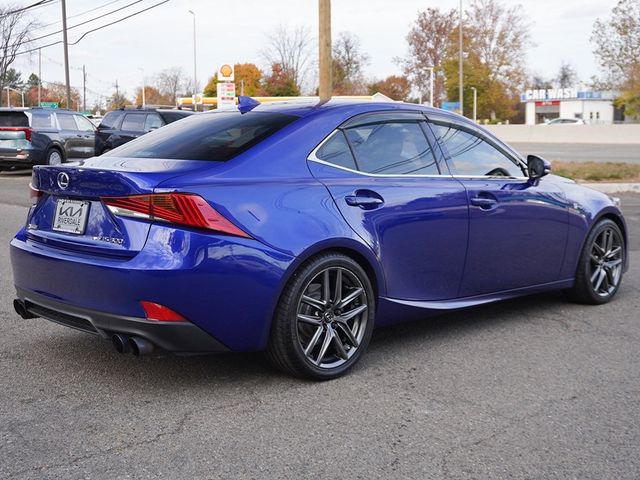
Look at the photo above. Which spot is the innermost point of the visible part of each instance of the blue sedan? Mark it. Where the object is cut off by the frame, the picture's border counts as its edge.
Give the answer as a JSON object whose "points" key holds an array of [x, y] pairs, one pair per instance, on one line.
{"points": [[296, 228]]}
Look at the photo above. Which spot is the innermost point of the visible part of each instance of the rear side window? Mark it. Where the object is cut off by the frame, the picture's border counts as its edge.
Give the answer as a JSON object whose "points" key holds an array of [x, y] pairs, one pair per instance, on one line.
{"points": [[393, 148], [110, 120], [13, 119], [217, 136], [134, 122], [336, 151], [66, 122], [173, 116], [42, 120]]}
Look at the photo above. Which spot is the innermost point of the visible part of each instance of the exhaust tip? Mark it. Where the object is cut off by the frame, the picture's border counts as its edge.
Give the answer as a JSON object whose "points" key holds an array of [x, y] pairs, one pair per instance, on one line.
{"points": [[121, 343], [140, 347], [21, 309]]}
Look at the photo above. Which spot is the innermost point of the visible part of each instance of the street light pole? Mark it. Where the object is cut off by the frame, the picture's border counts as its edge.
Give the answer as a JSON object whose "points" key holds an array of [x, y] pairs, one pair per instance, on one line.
{"points": [[430, 86], [195, 72], [66, 51], [475, 102], [460, 84], [39, 76], [324, 41]]}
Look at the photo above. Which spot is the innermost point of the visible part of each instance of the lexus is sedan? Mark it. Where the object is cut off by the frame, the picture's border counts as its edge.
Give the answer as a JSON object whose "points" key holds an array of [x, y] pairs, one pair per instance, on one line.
{"points": [[296, 228]]}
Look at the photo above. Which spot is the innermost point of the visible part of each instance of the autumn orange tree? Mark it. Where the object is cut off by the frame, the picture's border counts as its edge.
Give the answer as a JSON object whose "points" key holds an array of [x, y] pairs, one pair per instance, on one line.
{"points": [[280, 83], [394, 87], [152, 96]]}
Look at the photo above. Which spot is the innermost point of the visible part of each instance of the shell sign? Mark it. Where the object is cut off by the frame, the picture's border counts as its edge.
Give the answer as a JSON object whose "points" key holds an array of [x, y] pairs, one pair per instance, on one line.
{"points": [[225, 73]]}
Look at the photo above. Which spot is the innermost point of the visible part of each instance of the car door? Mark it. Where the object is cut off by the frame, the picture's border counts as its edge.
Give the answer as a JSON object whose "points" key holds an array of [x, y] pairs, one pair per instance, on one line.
{"points": [[71, 136], [87, 141], [385, 179], [517, 228]]}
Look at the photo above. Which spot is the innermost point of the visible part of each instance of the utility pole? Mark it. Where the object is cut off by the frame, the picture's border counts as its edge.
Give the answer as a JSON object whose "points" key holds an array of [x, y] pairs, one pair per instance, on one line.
{"points": [[39, 76], [66, 51], [195, 72], [324, 37], [84, 89], [460, 84], [117, 90]]}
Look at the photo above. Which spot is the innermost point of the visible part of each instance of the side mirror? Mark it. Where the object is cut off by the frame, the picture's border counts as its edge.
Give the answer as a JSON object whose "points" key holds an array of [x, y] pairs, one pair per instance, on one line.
{"points": [[538, 167]]}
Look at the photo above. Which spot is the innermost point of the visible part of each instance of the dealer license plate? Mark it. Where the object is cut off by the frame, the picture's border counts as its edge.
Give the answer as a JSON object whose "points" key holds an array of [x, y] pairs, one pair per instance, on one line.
{"points": [[71, 216]]}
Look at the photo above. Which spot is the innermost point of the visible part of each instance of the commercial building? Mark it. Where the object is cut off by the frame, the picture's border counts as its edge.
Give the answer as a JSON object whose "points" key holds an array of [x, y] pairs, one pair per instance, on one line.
{"points": [[592, 107]]}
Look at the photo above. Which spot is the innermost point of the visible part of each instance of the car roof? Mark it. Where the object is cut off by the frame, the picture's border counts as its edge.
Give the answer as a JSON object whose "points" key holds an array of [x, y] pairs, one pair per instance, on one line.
{"points": [[303, 108]]}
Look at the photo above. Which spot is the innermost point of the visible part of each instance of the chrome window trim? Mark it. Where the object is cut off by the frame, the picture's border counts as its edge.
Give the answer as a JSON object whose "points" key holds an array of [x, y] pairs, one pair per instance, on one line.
{"points": [[313, 158]]}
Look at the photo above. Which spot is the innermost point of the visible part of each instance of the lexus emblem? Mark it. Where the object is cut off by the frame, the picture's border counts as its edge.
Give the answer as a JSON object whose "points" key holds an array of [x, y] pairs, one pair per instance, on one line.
{"points": [[63, 180]]}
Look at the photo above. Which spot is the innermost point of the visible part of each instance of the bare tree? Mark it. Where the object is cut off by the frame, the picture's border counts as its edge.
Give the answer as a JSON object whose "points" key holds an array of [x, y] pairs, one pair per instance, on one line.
{"points": [[499, 37], [170, 82], [291, 48], [567, 76], [429, 40], [15, 26], [617, 41], [348, 65]]}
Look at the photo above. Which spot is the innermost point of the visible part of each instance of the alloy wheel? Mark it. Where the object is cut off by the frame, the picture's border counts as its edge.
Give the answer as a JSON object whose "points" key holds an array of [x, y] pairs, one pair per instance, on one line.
{"points": [[606, 262], [331, 317]]}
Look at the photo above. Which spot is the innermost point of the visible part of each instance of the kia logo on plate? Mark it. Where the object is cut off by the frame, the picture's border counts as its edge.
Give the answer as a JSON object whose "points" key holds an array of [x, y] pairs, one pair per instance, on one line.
{"points": [[63, 180]]}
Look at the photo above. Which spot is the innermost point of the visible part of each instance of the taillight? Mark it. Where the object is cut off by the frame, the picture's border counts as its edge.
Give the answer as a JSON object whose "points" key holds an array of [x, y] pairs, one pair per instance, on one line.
{"points": [[27, 131], [178, 208], [34, 194], [160, 313]]}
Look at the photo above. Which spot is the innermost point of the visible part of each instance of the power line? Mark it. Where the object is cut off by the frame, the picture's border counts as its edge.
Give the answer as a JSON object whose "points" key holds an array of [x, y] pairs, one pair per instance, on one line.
{"points": [[41, 3], [78, 14], [24, 52], [77, 25]]}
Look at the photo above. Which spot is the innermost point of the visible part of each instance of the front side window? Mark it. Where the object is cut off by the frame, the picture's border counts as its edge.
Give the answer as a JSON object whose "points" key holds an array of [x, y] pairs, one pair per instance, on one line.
{"points": [[134, 122], [153, 122], [66, 122], [470, 155], [84, 124], [393, 148]]}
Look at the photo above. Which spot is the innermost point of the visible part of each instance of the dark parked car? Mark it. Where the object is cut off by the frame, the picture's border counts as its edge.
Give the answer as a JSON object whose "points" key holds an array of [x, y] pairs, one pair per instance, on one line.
{"points": [[295, 228], [122, 126], [42, 136]]}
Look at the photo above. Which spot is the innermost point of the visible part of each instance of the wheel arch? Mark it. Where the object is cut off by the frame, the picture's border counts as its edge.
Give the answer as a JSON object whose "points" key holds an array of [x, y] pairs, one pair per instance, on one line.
{"points": [[349, 247]]}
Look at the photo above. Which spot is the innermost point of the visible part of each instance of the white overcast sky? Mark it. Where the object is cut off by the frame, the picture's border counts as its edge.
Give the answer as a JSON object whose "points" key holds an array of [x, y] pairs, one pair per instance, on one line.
{"points": [[234, 31]]}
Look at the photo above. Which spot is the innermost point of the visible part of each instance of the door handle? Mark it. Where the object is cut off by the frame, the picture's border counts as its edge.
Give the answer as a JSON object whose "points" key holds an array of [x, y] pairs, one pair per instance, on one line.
{"points": [[484, 202], [365, 199]]}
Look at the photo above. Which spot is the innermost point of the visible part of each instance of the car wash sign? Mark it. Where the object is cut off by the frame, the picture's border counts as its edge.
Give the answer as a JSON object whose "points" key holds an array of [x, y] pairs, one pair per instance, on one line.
{"points": [[548, 94]]}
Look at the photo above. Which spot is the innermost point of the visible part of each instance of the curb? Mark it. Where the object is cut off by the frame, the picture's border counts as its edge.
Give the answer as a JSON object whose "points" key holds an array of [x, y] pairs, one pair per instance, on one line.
{"points": [[614, 187]]}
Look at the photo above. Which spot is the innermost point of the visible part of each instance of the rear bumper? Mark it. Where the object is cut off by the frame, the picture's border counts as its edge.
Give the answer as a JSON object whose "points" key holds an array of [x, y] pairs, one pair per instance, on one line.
{"points": [[180, 338], [225, 286]]}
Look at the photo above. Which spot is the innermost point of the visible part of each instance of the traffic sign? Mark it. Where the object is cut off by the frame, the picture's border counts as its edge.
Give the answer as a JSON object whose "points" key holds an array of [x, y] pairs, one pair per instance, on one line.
{"points": [[49, 104]]}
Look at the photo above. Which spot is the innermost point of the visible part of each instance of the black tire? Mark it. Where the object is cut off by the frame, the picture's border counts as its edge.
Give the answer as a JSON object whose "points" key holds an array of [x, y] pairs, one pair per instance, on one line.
{"points": [[586, 288], [54, 157], [288, 333]]}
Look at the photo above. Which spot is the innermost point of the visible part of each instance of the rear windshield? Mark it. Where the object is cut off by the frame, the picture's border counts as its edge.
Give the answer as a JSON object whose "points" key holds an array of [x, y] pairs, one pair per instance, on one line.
{"points": [[13, 119], [217, 136]]}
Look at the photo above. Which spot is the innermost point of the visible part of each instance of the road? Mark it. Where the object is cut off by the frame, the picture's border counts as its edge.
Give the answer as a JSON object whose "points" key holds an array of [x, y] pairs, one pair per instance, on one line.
{"points": [[529, 388], [571, 152]]}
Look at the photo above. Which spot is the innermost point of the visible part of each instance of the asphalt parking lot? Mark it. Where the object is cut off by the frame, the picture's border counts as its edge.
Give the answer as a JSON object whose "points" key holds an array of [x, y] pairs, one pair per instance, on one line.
{"points": [[530, 388]]}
